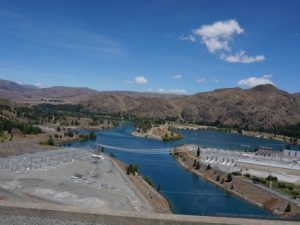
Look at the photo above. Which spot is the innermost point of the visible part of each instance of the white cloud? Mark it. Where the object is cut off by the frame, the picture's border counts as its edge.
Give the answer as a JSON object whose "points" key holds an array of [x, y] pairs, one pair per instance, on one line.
{"points": [[168, 91], [140, 80], [189, 37], [137, 80], [201, 80], [241, 57], [215, 80], [177, 76], [216, 36], [39, 85], [254, 81]]}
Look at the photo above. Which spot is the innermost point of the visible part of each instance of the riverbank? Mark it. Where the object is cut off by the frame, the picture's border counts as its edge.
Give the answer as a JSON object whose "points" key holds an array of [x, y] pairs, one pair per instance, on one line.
{"points": [[236, 185], [257, 134], [156, 200]]}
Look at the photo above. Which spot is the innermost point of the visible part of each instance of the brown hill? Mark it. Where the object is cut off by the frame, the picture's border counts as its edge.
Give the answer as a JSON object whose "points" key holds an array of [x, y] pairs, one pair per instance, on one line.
{"points": [[61, 94], [33, 94], [263, 106], [260, 107]]}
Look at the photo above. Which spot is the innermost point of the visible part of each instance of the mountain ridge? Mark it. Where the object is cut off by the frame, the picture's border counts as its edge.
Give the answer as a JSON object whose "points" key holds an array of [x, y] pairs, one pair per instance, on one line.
{"points": [[260, 107]]}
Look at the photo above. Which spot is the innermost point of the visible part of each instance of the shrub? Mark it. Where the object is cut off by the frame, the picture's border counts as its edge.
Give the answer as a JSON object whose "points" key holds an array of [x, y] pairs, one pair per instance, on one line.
{"points": [[148, 180], [247, 175], [229, 178], [218, 178], [92, 135], [69, 134], [132, 169], [259, 180], [288, 208], [236, 173], [282, 185], [271, 178], [158, 188], [208, 167], [50, 141]]}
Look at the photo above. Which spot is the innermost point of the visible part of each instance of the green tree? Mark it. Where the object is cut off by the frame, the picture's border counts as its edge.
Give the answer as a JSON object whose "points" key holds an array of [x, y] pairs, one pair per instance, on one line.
{"points": [[198, 151], [158, 188]]}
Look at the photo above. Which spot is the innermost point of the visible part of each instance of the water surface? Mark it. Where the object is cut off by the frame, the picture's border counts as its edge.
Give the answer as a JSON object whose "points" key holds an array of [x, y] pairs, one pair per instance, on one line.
{"points": [[187, 193]]}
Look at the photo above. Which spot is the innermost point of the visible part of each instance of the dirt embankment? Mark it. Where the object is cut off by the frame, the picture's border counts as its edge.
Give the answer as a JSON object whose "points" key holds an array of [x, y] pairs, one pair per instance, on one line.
{"points": [[237, 185], [157, 201]]}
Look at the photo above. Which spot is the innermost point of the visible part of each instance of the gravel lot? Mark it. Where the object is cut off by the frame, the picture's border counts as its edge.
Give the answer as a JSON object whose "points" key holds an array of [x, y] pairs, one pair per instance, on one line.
{"points": [[86, 183], [27, 220]]}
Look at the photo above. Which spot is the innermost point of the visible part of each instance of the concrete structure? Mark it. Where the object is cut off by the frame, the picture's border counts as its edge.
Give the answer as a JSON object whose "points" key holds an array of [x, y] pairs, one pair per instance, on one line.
{"points": [[279, 164], [291, 154], [44, 214], [264, 151]]}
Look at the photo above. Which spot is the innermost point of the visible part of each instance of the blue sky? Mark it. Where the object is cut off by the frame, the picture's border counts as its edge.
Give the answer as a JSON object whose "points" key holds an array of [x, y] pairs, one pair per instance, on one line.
{"points": [[159, 46]]}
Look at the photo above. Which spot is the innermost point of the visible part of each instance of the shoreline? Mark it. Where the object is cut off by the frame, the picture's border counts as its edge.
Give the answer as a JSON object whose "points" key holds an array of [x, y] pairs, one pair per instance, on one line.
{"points": [[238, 187], [256, 134]]}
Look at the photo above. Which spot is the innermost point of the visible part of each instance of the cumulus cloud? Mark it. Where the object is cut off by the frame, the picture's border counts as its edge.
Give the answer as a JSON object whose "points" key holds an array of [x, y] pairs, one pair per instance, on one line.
{"points": [[218, 36], [140, 80], [254, 81], [137, 80], [168, 91], [177, 76], [241, 57]]}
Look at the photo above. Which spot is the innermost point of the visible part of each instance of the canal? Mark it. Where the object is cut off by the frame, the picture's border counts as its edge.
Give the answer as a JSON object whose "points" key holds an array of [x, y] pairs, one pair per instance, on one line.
{"points": [[186, 193]]}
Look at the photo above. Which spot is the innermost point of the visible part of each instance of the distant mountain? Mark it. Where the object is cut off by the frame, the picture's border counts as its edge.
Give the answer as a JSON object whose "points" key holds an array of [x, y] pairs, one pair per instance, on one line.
{"points": [[60, 94], [261, 107], [9, 89], [30, 93], [297, 96]]}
